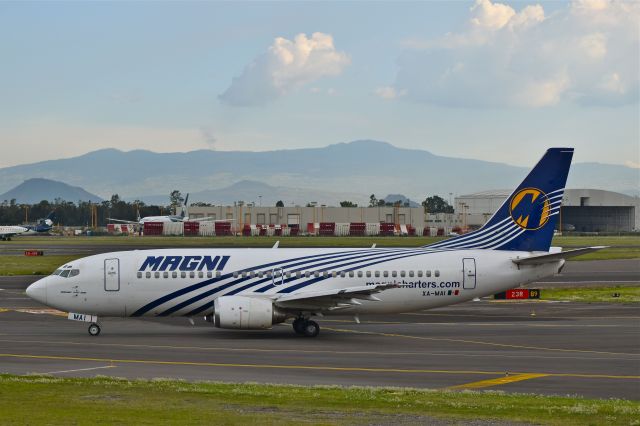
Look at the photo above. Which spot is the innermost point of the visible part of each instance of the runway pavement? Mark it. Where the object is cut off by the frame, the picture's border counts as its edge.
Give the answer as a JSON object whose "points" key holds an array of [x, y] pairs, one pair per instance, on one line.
{"points": [[565, 348]]}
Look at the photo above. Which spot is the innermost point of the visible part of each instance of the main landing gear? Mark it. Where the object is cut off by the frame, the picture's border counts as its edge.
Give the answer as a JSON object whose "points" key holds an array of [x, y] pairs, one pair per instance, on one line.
{"points": [[306, 327], [94, 329]]}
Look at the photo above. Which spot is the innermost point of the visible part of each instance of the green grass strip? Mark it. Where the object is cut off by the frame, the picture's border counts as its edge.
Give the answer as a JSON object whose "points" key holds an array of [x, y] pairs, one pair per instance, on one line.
{"points": [[593, 294], [103, 400]]}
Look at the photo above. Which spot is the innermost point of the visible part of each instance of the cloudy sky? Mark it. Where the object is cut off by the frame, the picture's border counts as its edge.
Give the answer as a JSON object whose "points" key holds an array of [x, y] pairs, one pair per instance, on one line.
{"points": [[487, 80]]}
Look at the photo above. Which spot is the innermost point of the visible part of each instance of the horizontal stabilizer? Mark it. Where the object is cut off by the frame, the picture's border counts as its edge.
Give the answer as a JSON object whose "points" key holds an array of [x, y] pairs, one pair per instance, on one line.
{"points": [[554, 257]]}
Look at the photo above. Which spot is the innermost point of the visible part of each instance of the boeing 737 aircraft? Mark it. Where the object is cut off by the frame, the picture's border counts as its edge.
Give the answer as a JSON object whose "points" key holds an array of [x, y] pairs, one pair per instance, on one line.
{"points": [[257, 288]]}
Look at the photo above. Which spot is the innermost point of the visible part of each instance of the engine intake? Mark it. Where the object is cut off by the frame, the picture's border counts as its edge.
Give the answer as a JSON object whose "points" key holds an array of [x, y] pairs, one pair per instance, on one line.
{"points": [[245, 313]]}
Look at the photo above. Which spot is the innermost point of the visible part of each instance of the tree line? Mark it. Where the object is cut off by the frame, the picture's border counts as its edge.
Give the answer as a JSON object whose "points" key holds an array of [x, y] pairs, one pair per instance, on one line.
{"points": [[69, 213], [78, 213]]}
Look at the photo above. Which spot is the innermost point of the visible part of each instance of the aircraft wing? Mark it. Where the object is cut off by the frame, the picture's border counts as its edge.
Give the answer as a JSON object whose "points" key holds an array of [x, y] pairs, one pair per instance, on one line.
{"points": [[207, 219], [133, 222], [331, 299], [554, 257]]}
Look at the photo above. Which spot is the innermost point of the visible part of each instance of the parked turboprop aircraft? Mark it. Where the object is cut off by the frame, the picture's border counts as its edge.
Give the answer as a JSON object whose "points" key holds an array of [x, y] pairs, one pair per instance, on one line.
{"points": [[256, 288]]}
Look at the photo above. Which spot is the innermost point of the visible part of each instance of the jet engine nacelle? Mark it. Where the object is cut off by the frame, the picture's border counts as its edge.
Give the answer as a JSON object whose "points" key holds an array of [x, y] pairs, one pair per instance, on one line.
{"points": [[245, 313]]}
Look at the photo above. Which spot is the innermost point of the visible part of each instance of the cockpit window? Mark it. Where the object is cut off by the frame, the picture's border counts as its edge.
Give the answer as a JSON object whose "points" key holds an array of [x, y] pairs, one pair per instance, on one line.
{"points": [[57, 272], [74, 272], [65, 273]]}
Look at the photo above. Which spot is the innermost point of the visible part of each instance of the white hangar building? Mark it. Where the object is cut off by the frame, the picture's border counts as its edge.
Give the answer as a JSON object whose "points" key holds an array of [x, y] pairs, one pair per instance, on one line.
{"points": [[583, 210]]}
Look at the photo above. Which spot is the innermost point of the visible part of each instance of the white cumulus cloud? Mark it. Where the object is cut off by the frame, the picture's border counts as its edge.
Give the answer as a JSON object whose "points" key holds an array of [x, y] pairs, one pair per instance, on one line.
{"points": [[287, 65], [587, 53]]}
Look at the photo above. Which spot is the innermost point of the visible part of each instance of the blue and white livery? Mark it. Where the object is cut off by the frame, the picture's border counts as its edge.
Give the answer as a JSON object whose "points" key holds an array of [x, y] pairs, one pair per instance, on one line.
{"points": [[256, 288]]}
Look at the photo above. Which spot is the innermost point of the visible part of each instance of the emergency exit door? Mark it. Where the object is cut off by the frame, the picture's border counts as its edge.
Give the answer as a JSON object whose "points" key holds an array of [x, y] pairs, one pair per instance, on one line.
{"points": [[112, 274], [469, 273]]}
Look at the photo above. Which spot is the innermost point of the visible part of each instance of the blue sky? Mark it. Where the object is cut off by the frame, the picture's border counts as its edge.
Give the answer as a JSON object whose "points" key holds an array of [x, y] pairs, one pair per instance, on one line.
{"points": [[494, 81]]}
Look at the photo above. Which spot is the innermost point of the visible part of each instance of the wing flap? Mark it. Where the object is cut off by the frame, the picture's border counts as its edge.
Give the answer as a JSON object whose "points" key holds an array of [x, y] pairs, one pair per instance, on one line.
{"points": [[332, 299], [554, 257]]}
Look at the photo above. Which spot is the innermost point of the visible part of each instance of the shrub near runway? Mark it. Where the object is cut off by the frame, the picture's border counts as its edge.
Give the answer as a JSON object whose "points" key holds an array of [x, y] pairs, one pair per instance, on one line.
{"points": [[105, 400]]}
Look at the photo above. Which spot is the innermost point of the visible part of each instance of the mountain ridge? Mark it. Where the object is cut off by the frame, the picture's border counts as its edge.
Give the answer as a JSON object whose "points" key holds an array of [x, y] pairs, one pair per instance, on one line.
{"points": [[362, 166]]}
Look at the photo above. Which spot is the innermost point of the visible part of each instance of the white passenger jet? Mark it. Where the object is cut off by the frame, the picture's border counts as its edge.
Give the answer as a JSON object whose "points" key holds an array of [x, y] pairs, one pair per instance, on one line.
{"points": [[257, 288], [42, 226], [182, 217], [8, 231]]}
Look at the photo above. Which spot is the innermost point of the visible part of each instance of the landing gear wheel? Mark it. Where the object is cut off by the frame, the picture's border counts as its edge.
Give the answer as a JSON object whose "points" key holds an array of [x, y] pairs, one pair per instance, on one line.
{"points": [[94, 329], [310, 328], [298, 325]]}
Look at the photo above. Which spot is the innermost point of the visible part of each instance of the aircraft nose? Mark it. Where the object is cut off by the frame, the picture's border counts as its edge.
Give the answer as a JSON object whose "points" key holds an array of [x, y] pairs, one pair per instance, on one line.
{"points": [[38, 291]]}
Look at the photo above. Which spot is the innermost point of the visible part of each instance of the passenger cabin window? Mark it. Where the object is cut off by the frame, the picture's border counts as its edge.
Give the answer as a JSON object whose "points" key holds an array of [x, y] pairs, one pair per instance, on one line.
{"points": [[148, 274], [350, 274], [165, 275], [139, 274], [411, 274], [183, 274], [394, 274], [334, 274], [385, 273], [377, 274], [359, 274], [316, 274], [402, 274], [428, 274], [235, 275], [157, 274], [192, 274], [174, 274], [368, 274], [437, 273], [200, 274], [342, 274], [218, 274], [420, 273], [209, 274]]}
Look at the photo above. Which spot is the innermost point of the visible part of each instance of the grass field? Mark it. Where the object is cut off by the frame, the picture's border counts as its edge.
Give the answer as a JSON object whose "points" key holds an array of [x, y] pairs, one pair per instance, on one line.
{"points": [[593, 294], [117, 401]]}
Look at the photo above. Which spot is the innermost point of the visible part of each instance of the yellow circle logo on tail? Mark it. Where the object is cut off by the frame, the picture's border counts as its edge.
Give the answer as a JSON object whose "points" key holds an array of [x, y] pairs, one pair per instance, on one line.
{"points": [[529, 208]]}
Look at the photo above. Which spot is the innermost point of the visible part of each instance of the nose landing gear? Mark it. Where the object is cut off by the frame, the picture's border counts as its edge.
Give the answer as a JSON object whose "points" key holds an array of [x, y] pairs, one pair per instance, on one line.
{"points": [[94, 329], [306, 327]]}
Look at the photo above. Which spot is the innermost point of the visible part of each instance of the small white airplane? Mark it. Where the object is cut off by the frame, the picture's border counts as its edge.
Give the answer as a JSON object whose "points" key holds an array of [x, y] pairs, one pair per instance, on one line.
{"points": [[8, 231], [43, 225], [257, 288]]}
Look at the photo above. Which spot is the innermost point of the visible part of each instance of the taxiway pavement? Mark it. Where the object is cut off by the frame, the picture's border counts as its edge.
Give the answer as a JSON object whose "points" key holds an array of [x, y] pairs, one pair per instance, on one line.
{"points": [[549, 348]]}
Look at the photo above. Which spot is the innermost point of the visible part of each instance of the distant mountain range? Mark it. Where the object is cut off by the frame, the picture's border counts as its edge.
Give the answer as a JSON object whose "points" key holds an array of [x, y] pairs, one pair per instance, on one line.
{"points": [[32, 191], [351, 171]]}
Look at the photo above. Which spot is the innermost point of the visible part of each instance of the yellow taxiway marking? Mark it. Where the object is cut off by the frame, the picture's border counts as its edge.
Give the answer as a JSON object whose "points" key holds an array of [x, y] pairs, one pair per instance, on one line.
{"points": [[270, 366], [499, 381], [295, 350], [477, 342], [3, 310], [304, 367], [42, 311], [552, 316], [80, 369]]}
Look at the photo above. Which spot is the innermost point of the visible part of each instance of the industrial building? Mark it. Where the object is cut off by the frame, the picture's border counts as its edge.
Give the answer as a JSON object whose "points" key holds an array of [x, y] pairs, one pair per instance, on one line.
{"points": [[583, 210], [309, 219]]}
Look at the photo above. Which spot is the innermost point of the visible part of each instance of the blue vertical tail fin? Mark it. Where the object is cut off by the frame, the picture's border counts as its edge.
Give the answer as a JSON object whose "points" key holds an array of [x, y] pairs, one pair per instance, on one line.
{"points": [[527, 218]]}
